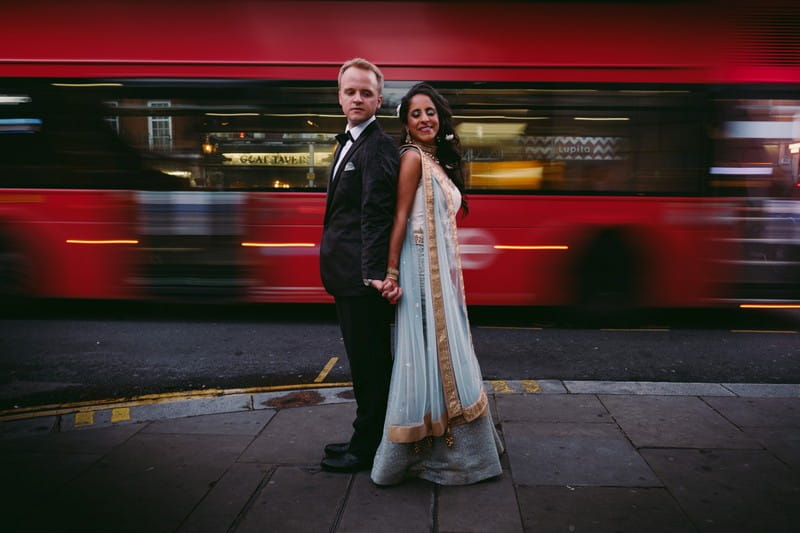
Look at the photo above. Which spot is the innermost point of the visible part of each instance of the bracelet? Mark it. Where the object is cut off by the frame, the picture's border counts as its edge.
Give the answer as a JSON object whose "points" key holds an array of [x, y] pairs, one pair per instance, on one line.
{"points": [[390, 271], [391, 276]]}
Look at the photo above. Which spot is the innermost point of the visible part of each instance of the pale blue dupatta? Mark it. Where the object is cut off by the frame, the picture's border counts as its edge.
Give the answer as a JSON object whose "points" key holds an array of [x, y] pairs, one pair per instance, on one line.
{"points": [[436, 380]]}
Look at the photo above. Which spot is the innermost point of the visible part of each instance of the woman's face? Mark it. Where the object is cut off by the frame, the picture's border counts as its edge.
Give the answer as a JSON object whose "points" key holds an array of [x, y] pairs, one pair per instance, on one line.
{"points": [[423, 120]]}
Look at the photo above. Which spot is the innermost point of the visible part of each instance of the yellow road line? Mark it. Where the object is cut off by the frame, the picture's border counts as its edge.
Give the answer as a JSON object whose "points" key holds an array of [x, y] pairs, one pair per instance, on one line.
{"points": [[120, 414], [133, 400], [500, 386], [84, 419], [761, 331], [148, 399], [530, 385], [327, 368]]}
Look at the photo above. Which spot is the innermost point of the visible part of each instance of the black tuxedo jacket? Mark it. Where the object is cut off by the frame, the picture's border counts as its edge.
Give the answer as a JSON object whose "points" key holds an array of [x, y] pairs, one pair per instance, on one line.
{"points": [[359, 214]]}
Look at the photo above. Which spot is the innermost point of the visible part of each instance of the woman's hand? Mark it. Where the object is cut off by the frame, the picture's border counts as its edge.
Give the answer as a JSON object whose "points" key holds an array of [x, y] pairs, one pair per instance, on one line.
{"points": [[391, 290]]}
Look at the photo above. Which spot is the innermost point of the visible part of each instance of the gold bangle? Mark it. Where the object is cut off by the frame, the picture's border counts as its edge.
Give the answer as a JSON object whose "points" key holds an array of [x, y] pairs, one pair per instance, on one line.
{"points": [[391, 276], [390, 271]]}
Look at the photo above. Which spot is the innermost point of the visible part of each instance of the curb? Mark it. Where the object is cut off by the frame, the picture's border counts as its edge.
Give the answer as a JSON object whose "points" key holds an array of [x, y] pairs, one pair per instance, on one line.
{"points": [[112, 412]]}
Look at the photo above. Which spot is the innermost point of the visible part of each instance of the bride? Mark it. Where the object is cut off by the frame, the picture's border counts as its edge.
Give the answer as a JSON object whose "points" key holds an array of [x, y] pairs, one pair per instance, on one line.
{"points": [[438, 425]]}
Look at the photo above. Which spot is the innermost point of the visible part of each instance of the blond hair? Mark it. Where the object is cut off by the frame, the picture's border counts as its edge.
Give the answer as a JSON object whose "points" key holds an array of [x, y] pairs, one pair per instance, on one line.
{"points": [[363, 64]]}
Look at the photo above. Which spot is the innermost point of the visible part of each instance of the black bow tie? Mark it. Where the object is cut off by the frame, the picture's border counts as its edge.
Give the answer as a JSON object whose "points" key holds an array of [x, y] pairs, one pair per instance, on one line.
{"points": [[342, 138]]}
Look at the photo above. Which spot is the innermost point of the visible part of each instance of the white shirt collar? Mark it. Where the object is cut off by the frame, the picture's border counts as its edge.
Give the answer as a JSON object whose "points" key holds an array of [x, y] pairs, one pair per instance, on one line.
{"points": [[355, 131]]}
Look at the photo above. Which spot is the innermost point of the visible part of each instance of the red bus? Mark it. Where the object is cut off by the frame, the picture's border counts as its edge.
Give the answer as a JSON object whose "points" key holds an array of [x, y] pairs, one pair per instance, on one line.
{"points": [[623, 152]]}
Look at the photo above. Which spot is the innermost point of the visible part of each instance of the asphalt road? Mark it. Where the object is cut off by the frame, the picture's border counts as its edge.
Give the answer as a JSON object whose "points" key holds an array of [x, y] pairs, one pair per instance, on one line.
{"points": [[57, 351]]}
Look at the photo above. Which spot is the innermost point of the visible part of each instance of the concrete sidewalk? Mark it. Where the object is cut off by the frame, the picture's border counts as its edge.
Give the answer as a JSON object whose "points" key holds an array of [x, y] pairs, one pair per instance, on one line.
{"points": [[581, 456]]}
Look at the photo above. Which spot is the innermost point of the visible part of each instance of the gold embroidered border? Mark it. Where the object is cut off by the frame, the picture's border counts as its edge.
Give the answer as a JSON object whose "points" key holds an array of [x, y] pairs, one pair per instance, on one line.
{"points": [[429, 428], [452, 401]]}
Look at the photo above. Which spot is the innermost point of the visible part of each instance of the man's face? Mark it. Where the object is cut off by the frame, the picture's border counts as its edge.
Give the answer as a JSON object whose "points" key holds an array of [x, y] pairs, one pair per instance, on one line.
{"points": [[358, 95]]}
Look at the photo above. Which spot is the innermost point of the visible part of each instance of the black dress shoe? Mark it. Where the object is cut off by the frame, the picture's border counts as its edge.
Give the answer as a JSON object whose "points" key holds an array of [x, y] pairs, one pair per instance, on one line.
{"points": [[337, 449], [346, 463]]}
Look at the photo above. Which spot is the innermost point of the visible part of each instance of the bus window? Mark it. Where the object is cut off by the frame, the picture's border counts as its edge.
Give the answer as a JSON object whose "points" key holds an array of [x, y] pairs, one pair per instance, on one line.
{"points": [[757, 148], [57, 139], [581, 140], [231, 135]]}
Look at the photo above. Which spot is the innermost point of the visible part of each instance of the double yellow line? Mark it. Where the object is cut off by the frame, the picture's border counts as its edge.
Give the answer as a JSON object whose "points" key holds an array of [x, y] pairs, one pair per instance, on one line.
{"points": [[7, 415]]}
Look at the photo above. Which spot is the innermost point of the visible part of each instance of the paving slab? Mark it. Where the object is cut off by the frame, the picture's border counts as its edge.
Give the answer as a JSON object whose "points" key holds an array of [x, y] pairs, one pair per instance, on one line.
{"points": [[241, 423], [601, 510], [731, 490], [574, 454], [34, 479], [761, 390], [578, 408], [100, 441], [296, 499], [227, 499], [660, 388], [405, 507], [674, 422], [776, 412], [28, 427], [783, 443], [150, 483], [298, 436], [486, 507]]}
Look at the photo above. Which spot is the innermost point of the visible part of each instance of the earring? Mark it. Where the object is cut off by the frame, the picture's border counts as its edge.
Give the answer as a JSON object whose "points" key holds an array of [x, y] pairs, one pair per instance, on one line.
{"points": [[407, 139]]}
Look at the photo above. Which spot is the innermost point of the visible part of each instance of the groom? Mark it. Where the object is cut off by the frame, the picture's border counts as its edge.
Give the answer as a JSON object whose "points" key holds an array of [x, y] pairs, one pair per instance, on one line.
{"points": [[362, 193]]}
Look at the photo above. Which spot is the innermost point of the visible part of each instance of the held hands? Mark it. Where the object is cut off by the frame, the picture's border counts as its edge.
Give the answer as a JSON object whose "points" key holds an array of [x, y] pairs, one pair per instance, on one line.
{"points": [[391, 290], [388, 288]]}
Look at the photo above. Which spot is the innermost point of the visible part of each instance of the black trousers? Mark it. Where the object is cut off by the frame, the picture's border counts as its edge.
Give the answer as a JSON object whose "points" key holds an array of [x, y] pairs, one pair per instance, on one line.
{"points": [[366, 330]]}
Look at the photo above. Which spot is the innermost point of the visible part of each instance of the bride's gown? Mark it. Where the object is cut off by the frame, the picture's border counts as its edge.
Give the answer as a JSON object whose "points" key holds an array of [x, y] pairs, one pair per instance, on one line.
{"points": [[438, 424]]}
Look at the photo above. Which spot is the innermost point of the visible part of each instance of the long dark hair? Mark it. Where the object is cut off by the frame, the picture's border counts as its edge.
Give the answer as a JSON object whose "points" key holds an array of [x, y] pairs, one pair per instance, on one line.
{"points": [[448, 145]]}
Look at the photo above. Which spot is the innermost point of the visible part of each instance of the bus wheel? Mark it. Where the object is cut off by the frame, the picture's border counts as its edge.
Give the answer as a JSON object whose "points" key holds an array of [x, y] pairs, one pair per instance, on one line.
{"points": [[607, 279]]}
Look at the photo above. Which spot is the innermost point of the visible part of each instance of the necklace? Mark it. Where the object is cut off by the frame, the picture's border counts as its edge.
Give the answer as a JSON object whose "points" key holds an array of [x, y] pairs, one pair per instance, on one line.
{"points": [[429, 149]]}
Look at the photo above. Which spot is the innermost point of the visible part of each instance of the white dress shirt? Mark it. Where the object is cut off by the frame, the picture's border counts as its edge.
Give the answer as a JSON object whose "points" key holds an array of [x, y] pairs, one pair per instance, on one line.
{"points": [[355, 132]]}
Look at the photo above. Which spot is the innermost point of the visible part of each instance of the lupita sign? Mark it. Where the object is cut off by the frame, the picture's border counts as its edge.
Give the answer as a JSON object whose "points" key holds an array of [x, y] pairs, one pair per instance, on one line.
{"points": [[570, 147]]}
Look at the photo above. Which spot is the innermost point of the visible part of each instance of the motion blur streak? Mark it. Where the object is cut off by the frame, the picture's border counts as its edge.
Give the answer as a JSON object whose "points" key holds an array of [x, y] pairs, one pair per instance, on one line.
{"points": [[279, 244], [769, 306], [111, 241], [530, 247]]}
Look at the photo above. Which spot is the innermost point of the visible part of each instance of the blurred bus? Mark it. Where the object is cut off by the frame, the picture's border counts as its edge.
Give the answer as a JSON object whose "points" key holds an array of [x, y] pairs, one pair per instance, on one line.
{"points": [[617, 154]]}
